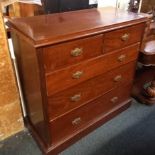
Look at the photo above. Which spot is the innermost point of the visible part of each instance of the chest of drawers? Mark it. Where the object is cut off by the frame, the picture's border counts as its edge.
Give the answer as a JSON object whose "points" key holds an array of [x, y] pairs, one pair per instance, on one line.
{"points": [[76, 71]]}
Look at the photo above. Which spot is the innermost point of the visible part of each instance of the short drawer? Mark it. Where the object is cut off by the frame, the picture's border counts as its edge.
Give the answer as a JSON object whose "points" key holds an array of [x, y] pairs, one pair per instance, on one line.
{"points": [[120, 38], [74, 97], [83, 117], [62, 55], [73, 75]]}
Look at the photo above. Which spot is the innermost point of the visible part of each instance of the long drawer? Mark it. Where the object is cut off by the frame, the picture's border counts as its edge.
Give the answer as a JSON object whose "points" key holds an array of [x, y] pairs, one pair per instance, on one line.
{"points": [[73, 75], [72, 52], [64, 101], [123, 37], [71, 123]]}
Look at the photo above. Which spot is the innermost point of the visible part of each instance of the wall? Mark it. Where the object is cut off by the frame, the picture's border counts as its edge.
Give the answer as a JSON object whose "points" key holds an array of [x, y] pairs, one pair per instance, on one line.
{"points": [[11, 120], [106, 3]]}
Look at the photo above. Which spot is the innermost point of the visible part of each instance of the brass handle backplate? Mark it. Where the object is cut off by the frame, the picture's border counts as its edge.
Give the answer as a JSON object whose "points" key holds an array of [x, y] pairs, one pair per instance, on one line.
{"points": [[118, 78], [77, 74], [114, 99], [76, 52], [125, 37], [75, 98], [76, 121], [121, 58]]}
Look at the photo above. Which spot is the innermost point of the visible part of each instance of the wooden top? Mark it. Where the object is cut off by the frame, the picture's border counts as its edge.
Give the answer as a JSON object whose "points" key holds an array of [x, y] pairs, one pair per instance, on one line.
{"points": [[53, 28]]}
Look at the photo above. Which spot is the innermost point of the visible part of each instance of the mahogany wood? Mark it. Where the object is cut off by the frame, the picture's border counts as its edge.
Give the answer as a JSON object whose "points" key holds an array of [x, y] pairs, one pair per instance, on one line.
{"points": [[62, 79], [55, 28], [143, 76], [114, 40], [66, 126], [61, 103], [60, 55], [50, 76], [28, 67], [114, 112], [147, 58]]}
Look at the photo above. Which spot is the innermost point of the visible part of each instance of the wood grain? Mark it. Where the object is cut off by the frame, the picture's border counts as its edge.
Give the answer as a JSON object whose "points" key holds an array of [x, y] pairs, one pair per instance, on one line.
{"points": [[55, 28], [61, 103], [63, 128], [113, 40], [59, 56], [62, 79], [29, 73]]}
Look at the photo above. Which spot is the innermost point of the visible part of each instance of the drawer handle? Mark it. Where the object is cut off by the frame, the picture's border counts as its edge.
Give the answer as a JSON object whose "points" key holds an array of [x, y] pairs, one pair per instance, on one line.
{"points": [[76, 52], [118, 78], [114, 99], [77, 74], [75, 98], [125, 37], [76, 121], [121, 58]]}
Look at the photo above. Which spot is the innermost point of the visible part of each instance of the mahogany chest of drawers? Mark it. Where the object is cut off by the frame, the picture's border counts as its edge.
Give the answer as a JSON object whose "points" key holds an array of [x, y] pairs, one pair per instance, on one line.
{"points": [[76, 70]]}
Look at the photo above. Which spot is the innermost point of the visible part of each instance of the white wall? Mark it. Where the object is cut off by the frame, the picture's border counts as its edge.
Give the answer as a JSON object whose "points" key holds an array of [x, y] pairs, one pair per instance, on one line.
{"points": [[105, 3], [123, 3]]}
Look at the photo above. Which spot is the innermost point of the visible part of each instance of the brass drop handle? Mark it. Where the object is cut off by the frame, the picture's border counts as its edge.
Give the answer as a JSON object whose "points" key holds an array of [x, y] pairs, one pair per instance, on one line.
{"points": [[121, 58], [114, 99], [118, 78], [76, 121], [75, 98], [76, 52], [125, 37], [77, 74]]}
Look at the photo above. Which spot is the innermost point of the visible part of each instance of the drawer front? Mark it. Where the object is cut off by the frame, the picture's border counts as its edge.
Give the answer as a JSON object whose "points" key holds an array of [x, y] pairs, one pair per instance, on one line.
{"points": [[74, 97], [120, 38], [71, 123], [65, 78], [62, 55]]}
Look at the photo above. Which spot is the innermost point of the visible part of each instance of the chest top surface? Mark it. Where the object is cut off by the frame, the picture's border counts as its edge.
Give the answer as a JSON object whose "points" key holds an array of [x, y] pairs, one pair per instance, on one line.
{"points": [[54, 28]]}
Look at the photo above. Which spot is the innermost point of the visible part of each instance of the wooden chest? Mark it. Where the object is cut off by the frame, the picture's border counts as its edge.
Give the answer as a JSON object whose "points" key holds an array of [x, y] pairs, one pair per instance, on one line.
{"points": [[76, 70]]}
